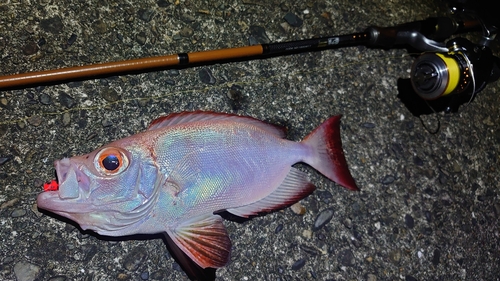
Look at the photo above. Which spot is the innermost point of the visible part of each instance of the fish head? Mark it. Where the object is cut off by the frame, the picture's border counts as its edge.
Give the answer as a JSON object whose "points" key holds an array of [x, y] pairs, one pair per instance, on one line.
{"points": [[108, 190]]}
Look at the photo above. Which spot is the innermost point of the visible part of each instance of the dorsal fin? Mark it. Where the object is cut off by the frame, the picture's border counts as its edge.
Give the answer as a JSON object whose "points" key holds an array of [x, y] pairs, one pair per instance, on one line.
{"points": [[198, 116]]}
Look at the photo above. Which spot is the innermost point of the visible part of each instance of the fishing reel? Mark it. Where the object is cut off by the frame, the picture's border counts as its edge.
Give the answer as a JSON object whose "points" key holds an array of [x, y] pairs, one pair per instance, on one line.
{"points": [[445, 81], [446, 78]]}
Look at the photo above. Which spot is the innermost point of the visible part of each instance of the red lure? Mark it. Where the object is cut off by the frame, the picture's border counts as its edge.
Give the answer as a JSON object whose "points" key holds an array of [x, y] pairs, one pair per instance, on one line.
{"points": [[51, 186]]}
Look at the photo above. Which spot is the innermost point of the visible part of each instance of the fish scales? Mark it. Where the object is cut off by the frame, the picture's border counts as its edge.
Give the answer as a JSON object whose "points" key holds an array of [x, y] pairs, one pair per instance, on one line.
{"points": [[230, 175]]}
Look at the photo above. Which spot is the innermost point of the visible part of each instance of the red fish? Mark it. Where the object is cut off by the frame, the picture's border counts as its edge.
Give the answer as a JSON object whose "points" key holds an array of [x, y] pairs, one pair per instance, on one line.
{"points": [[176, 176]]}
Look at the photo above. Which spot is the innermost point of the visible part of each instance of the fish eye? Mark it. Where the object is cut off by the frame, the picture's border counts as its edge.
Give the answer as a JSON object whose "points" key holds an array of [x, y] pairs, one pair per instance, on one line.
{"points": [[111, 161]]}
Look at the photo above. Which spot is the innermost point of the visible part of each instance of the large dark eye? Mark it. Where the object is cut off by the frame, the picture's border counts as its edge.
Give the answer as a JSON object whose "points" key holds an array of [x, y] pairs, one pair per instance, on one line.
{"points": [[111, 162]]}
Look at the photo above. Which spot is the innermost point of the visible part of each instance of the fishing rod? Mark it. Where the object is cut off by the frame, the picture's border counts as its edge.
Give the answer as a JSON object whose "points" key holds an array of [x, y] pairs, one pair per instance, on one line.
{"points": [[457, 69], [415, 34]]}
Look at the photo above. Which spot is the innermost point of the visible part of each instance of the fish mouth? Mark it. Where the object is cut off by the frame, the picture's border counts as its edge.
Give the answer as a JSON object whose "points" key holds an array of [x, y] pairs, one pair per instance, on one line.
{"points": [[71, 179], [72, 185]]}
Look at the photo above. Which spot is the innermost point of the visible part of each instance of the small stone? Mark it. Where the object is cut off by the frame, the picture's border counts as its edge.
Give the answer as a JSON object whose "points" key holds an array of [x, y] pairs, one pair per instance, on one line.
{"points": [[395, 256], [110, 95], [236, 98], [66, 100], [35, 120], [299, 264], [346, 258], [347, 223], [4, 159], [42, 41], [388, 179], [436, 257], [144, 275], [173, 72], [293, 19], [369, 125], [298, 209], [206, 76], [9, 203], [18, 213], [135, 258], [25, 271], [146, 14], [187, 18], [45, 99], [20, 124], [323, 218], [122, 276], [186, 32], [53, 25], [141, 38], [100, 26], [309, 250], [75, 84], [162, 3], [34, 209], [428, 215], [307, 234], [4, 102], [259, 34], [371, 277], [30, 48], [71, 39], [107, 123], [66, 118], [369, 259], [279, 228], [410, 223]]}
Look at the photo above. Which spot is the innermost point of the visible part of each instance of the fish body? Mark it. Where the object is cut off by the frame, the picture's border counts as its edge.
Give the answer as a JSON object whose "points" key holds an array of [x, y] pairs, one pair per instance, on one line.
{"points": [[174, 177]]}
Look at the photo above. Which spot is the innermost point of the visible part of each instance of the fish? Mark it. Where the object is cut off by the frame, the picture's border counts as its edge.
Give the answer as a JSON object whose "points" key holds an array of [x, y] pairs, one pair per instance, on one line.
{"points": [[176, 177]]}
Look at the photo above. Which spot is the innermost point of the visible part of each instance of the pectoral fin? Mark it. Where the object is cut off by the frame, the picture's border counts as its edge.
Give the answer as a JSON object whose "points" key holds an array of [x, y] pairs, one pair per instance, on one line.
{"points": [[204, 240]]}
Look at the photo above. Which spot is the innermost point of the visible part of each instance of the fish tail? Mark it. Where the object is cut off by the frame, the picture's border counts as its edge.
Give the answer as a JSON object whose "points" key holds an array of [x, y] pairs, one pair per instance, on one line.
{"points": [[328, 157]]}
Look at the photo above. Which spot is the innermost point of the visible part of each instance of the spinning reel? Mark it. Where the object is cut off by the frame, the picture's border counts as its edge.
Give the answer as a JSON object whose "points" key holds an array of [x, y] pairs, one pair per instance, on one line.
{"points": [[445, 79]]}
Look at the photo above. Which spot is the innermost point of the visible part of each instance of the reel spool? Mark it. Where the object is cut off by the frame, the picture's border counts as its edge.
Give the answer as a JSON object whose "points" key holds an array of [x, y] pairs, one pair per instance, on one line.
{"points": [[435, 75]]}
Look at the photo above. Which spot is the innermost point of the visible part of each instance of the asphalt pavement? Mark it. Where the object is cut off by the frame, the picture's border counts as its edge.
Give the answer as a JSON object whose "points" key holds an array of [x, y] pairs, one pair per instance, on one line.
{"points": [[429, 204]]}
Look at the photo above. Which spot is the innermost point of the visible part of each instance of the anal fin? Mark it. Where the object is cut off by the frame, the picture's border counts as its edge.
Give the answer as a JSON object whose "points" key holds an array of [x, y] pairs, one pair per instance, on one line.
{"points": [[294, 187], [204, 240]]}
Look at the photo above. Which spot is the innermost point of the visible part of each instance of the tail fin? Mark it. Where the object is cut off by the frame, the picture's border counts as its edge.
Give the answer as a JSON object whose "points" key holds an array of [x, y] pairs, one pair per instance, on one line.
{"points": [[328, 157]]}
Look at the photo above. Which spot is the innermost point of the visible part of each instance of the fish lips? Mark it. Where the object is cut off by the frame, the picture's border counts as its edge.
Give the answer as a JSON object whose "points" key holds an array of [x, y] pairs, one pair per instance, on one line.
{"points": [[72, 183]]}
